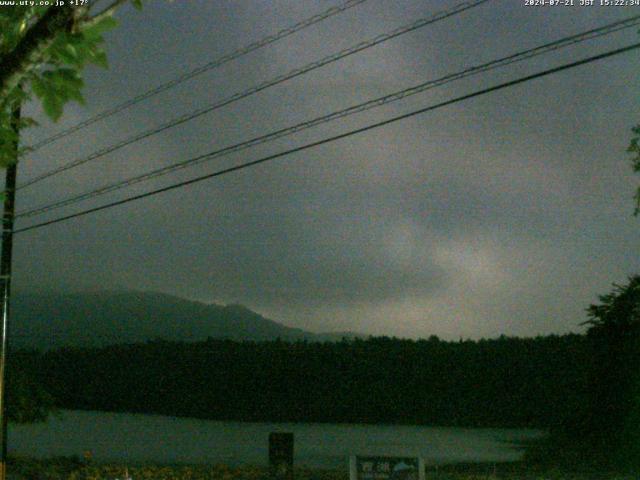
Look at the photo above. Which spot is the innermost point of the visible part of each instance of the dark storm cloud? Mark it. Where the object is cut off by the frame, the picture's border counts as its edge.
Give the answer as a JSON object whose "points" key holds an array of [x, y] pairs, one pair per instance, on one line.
{"points": [[505, 214]]}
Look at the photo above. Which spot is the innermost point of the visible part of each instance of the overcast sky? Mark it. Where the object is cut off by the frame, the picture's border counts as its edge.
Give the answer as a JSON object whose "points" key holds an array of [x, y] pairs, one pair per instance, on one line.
{"points": [[505, 214]]}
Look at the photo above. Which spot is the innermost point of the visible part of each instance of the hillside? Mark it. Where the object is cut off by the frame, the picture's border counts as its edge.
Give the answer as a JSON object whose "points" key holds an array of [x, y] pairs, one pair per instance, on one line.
{"points": [[106, 318]]}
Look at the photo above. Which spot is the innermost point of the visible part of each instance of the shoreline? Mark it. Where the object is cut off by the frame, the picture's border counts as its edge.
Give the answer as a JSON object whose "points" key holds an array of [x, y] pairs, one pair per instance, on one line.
{"points": [[535, 430]]}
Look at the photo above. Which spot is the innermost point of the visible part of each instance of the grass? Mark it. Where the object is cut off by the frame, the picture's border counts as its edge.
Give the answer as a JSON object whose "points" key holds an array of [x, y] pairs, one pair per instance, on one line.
{"points": [[73, 468]]}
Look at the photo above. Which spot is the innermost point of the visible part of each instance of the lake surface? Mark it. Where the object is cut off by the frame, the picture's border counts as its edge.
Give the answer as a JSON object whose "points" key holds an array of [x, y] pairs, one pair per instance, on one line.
{"points": [[152, 438]]}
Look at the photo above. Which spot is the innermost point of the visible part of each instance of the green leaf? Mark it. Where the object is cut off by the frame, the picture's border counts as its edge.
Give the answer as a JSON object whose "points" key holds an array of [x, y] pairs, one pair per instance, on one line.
{"points": [[66, 56], [137, 4], [26, 122], [100, 59], [76, 95], [39, 87], [95, 30], [56, 79], [52, 105]]}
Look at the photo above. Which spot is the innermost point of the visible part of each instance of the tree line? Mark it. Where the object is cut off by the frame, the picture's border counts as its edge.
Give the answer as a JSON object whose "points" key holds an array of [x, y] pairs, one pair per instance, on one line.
{"points": [[504, 382], [584, 388]]}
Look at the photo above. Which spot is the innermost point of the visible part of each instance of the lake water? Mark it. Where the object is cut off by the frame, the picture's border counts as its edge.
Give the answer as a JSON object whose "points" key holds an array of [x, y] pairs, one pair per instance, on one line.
{"points": [[152, 438]]}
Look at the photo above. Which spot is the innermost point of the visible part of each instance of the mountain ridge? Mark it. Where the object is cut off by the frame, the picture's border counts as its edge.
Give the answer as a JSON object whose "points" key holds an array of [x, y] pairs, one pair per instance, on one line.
{"points": [[95, 319]]}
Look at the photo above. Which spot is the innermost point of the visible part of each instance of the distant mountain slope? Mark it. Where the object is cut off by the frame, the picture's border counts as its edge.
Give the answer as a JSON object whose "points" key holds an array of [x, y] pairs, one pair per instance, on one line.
{"points": [[98, 319]]}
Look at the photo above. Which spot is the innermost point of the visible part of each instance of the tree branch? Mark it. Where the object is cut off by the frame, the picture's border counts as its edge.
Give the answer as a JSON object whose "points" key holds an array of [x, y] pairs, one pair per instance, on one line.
{"points": [[29, 52], [107, 12]]}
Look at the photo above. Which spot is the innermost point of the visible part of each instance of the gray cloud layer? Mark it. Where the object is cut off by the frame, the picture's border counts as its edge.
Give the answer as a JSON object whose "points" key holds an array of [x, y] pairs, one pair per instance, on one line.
{"points": [[505, 214]]}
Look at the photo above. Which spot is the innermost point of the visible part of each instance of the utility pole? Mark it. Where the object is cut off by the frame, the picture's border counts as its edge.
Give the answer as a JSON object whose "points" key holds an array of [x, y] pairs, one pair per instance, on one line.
{"points": [[5, 284]]}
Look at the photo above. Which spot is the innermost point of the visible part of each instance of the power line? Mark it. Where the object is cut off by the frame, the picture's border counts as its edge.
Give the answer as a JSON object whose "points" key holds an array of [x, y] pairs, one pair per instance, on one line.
{"points": [[336, 137], [218, 62], [386, 99], [262, 86]]}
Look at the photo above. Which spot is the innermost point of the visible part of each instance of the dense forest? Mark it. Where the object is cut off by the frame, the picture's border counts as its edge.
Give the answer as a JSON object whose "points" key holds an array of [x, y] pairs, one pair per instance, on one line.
{"points": [[506, 382]]}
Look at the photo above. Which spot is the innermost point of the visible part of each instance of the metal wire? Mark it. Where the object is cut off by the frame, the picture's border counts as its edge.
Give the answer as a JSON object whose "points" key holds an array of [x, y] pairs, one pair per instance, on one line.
{"points": [[201, 69], [334, 138], [260, 87], [386, 99]]}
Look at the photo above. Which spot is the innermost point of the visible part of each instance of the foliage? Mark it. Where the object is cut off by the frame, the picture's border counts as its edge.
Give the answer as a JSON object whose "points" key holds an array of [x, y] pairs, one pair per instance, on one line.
{"points": [[73, 468], [503, 382], [53, 73], [27, 400], [615, 381], [606, 430], [634, 148], [618, 314], [48, 63]]}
